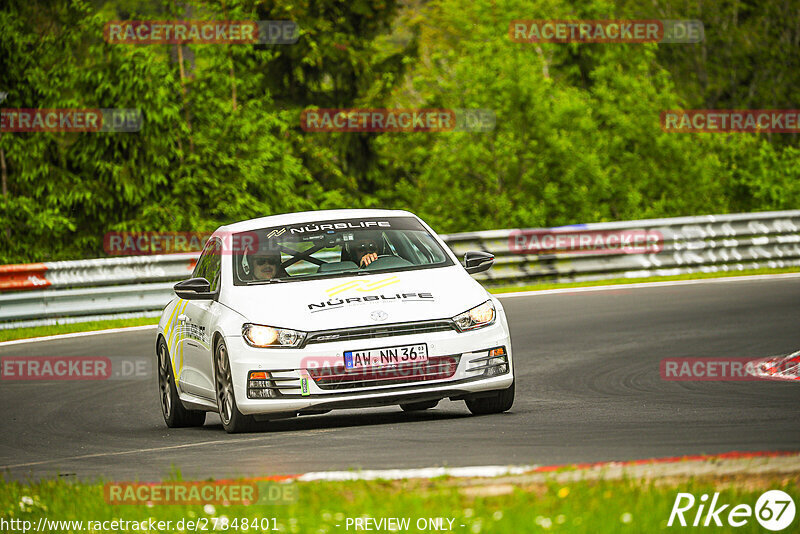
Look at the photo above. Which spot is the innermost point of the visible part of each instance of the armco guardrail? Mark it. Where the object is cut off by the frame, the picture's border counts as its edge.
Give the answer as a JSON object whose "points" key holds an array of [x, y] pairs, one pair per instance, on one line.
{"points": [[708, 243], [63, 291], [100, 272]]}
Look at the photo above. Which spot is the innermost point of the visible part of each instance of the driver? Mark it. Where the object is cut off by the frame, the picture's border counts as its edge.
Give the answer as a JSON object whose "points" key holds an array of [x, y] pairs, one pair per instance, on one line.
{"points": [[266, 265], [365, 248]]}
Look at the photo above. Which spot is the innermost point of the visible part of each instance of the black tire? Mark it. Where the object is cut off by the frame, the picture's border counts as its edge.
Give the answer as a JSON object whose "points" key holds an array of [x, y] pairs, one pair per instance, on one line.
{"points": [[498, 403], [232, 419], [419, 406], [175, 415]]}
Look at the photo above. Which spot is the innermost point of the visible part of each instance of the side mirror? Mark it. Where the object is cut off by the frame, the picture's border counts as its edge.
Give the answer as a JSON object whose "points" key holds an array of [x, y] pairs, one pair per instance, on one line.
{"points": [[194, 289], [477, 262]]}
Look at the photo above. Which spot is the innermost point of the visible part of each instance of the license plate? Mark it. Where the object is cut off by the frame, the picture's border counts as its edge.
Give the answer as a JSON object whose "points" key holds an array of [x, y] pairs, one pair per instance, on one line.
{"points": [[360, 359]]}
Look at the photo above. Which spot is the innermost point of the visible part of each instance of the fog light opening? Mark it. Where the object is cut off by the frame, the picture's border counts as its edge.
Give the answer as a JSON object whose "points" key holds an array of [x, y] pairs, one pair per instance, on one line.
{"points": [[497, 364], [259, 386]]}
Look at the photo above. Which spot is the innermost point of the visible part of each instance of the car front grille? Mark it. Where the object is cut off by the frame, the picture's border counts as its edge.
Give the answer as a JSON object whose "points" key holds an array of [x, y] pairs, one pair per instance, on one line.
{"points": [[336, 377], [387, 330]]}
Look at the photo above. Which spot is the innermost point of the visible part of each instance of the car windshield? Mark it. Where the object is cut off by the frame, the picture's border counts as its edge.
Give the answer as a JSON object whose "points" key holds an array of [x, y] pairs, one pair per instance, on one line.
{"points": [[335, 248]]}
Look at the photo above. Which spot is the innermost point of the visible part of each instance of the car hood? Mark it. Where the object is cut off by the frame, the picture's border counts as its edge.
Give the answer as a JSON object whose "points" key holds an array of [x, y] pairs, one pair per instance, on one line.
{"points": [[342, 302]]}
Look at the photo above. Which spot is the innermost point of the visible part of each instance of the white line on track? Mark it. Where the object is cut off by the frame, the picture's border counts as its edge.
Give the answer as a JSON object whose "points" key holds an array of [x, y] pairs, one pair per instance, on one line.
{"points": [[230, 442], [644, 285], [132, 451]]}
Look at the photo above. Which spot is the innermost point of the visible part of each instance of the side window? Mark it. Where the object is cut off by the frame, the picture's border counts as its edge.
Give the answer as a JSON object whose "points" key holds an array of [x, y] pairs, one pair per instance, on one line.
{"points": [[209, 265], [202, 263], [215, 266]]}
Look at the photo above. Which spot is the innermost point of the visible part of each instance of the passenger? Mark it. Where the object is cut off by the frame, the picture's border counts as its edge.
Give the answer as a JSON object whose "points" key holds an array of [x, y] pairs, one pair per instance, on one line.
{"points": [[267, 265]]}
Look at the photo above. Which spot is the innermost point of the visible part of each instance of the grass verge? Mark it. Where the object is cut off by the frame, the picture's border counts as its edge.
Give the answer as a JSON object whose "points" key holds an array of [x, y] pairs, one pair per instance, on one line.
{"points": [[622, 505], [41, 331]]}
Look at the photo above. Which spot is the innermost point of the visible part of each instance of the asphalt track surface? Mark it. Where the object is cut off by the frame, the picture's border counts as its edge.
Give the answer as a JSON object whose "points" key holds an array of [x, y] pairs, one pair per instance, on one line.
{"points": [[588, 389]]}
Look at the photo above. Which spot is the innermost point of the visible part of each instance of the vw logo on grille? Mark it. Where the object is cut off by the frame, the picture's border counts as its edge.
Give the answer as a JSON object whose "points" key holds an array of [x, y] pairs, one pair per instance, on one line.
{"points": [[378, 315]]}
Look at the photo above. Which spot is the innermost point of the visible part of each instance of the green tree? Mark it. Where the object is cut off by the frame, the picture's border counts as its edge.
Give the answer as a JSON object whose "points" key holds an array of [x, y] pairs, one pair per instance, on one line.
{"points": [[577, 137]]}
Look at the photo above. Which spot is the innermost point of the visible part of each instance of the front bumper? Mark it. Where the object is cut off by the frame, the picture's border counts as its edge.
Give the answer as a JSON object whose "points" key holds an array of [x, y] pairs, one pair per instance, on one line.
{"points": [[299, 386]]}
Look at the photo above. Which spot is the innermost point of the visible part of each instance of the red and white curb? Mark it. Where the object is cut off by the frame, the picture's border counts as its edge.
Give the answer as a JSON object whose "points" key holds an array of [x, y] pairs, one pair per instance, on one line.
{"points": [[738, 462]]}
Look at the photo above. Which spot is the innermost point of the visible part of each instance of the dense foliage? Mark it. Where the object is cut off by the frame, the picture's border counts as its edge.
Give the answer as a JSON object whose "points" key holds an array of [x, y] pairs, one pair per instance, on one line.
{"points": [[577, 137]]}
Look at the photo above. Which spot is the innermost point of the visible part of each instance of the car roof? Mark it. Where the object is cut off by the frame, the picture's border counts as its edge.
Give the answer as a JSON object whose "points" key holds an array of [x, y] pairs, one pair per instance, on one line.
{"points": [[310, 216]]}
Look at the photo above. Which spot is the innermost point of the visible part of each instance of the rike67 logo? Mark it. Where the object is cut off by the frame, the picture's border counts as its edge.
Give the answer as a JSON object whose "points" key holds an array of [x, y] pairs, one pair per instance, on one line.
{"points": [[774, 510]]}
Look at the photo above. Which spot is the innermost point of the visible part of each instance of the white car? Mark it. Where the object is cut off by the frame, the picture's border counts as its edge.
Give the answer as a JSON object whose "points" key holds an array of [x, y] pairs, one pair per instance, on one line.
{"points": [[304, 313]]}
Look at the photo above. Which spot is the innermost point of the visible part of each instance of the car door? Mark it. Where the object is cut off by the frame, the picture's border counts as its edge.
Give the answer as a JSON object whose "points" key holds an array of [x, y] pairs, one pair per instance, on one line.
{"points": [[198, 320]]}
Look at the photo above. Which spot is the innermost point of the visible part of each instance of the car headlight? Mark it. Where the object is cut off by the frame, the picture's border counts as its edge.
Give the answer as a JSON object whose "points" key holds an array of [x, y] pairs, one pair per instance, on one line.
{"points": [[257, 335], [477, 317]]}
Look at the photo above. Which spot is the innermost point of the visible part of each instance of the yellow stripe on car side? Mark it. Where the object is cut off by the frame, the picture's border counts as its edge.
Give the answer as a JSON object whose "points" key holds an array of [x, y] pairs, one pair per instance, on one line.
{"points": [[170, 331], [173, 336], [168, 327], [181, 333]]}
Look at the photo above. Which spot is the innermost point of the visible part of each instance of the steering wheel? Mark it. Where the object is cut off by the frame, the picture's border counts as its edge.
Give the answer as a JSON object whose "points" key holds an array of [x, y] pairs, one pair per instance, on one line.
{"points": [[376, 259], [390, 261]]}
